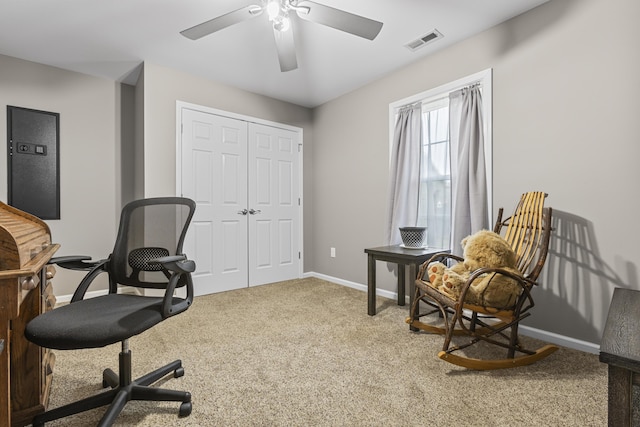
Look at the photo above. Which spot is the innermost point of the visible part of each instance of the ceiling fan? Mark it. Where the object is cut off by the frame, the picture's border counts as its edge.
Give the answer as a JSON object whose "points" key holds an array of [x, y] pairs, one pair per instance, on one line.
{"points": [[278, 12]]}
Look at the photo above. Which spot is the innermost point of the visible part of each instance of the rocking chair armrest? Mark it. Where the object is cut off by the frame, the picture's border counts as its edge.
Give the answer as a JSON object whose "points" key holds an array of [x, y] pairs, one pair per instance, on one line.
{"points": [[522, 281], [442, 256], [486, 270]]}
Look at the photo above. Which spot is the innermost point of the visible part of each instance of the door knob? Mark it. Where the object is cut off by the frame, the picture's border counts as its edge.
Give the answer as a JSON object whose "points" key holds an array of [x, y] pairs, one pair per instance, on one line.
{"points": [[254, 211], [243, 212]]}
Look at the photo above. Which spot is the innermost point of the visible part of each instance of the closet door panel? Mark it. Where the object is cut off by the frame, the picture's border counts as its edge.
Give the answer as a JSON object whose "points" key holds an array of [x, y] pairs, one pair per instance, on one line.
{"points": [[214, 174], [273, 197]]}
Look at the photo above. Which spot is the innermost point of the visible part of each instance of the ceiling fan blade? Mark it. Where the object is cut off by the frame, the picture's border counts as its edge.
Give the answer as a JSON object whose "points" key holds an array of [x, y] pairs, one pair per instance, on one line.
{"points": [[339, 19], [286, 49], [221, 22]]}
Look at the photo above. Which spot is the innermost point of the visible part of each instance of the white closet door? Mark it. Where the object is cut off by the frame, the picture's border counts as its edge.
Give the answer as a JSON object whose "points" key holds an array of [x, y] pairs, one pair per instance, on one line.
{"points": [[274, 205], [214, 174], [244, 178]]}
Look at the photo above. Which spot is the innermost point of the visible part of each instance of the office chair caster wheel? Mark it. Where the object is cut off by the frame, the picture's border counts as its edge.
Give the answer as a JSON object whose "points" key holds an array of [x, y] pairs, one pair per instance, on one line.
{"points": [[110, 379], [178, 373], [106, 384], [185, 409]]}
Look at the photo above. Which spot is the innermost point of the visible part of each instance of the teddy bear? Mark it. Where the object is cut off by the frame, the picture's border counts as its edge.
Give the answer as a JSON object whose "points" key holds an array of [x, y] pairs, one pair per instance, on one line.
{"points": [[437, 272], [453, 279], [487, 249], [484, 249], [496, 290]]}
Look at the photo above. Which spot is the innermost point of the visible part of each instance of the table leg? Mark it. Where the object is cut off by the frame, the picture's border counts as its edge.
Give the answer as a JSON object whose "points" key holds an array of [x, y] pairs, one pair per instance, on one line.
{"points": [[402, 280], [620, 399], [371, 286], [413, 273]]}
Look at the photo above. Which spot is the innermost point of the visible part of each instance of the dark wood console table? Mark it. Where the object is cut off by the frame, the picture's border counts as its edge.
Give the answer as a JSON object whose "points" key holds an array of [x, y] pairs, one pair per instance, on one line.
{"points": [[620, 349], [403, 257]]}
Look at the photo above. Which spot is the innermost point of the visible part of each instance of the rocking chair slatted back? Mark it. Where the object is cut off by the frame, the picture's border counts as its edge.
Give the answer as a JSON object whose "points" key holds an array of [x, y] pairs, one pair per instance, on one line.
{"points": [[528, 233]]}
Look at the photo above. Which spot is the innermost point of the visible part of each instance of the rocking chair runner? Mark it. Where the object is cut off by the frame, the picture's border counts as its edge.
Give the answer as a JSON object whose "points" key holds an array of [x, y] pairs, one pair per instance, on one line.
{"points": [[528, 232]]}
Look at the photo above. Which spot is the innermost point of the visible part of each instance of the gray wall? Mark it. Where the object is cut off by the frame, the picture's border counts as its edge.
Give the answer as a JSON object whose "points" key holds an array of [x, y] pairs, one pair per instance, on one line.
{"points": [[128, 155], [565, 121], [89, 150]]}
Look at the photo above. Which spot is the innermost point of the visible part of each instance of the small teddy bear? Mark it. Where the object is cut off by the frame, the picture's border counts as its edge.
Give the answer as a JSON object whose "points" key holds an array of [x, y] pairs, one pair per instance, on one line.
{"points": [[453, 281], [496, 290], [487, 249], [484, 249], [437, 272]]}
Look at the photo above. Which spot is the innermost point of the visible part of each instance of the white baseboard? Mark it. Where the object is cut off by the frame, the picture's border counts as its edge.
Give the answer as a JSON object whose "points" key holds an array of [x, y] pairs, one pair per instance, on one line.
{"points": [[528, 331], [552, 337], [354, 285]]}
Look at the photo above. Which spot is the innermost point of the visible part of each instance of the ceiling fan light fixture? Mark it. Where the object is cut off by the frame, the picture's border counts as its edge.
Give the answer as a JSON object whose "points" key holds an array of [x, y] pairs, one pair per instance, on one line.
{"points": [[273, 9], [282, 23]]}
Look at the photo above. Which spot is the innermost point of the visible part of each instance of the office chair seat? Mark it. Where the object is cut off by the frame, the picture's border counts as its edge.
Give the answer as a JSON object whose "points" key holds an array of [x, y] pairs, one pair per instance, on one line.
{"points": [[95, 322]]}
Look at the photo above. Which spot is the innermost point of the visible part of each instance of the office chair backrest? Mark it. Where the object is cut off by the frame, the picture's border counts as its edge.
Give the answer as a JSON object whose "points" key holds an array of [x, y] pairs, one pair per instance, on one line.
{"points": [[149, 229]]}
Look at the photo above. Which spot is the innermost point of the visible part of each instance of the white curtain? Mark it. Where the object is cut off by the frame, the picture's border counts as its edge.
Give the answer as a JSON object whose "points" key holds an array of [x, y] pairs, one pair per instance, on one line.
{"points": [[406, 158], [468, 175]]}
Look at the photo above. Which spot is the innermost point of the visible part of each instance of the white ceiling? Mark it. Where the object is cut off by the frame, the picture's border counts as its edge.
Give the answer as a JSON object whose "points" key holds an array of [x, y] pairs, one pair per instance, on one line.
{"points": [[111, 38]]}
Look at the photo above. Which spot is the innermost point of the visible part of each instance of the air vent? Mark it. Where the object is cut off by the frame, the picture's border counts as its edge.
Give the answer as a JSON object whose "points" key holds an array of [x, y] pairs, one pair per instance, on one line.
{"points": [[422, 41]]}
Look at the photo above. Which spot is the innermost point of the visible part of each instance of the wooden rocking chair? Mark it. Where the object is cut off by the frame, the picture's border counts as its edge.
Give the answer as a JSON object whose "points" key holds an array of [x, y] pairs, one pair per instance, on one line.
{"points": [[527, 231]]}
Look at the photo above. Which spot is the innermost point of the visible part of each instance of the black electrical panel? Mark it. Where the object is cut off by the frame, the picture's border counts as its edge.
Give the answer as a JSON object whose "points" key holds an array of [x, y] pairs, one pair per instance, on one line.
{"points": [[33, 161]]}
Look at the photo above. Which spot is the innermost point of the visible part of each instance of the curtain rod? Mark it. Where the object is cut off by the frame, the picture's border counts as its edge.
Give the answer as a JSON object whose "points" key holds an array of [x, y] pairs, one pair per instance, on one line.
{"points": [[420, 102], [411, 105]]}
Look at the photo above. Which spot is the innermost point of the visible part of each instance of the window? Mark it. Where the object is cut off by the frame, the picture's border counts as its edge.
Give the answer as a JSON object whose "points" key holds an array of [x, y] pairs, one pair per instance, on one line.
{"points": [[434, 201]]}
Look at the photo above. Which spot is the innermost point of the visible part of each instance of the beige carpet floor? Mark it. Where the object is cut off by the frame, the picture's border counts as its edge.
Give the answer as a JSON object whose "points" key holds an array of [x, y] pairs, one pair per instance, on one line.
{"points": [[305, 353]]}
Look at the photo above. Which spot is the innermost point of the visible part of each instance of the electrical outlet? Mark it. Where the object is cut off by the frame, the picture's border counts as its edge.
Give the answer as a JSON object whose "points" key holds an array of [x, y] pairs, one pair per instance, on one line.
{"points": [[333, 252]]}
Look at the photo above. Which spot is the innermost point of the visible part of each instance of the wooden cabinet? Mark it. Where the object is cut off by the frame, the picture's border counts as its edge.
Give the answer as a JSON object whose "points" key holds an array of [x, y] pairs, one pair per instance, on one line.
{"points": [[620, 349], [25, 292]]}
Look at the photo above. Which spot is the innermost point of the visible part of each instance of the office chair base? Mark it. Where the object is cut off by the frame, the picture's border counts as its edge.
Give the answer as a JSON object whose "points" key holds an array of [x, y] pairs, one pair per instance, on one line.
{"points": [[111, 379], [123, 390]]}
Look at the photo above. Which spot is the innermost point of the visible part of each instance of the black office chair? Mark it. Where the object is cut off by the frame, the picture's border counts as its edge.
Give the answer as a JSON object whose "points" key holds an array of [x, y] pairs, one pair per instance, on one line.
{"points": [[147, 254]]}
